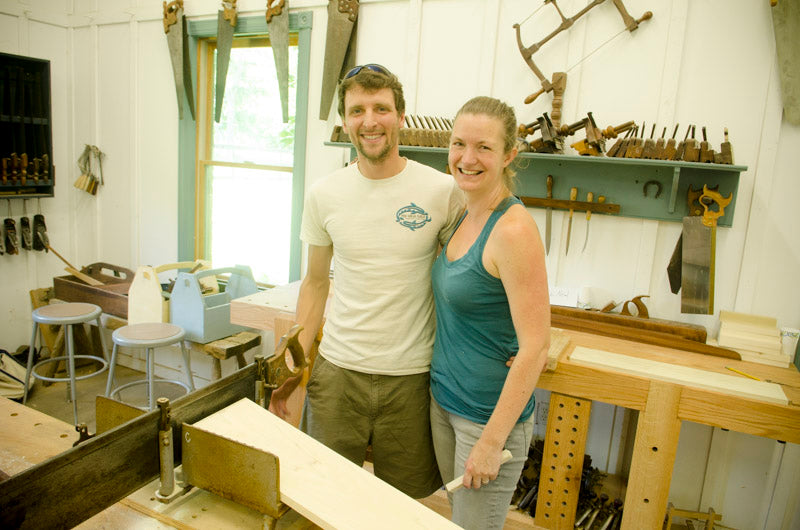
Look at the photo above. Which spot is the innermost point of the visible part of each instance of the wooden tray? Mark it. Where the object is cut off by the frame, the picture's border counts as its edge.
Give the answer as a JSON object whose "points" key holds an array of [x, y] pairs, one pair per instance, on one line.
{"points": [[112, 296]]}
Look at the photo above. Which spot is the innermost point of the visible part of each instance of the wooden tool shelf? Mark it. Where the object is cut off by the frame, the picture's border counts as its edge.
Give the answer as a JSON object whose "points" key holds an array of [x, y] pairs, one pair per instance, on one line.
{"points": [[621, 180], [26, 142]]}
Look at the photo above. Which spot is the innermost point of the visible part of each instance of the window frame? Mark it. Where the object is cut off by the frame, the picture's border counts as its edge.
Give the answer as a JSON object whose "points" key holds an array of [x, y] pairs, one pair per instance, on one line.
{"points": [[191, 188]]}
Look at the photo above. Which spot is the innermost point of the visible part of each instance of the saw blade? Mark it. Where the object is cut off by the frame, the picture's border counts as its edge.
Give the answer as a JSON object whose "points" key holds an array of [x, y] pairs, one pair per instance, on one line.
{"points": [[342, 15], [278, 26], [697, 267], [224, 45]]}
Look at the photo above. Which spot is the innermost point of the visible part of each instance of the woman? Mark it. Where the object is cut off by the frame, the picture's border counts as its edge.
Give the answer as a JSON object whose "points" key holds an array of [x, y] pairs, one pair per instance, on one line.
{"points": [[490, 288]]}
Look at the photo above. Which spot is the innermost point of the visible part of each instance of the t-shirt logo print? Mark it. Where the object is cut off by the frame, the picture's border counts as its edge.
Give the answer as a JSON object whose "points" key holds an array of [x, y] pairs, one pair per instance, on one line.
{"points": [[412, 216]]}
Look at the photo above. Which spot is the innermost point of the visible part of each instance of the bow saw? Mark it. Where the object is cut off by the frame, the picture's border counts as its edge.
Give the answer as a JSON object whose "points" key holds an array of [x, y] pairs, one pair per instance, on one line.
{"points": [[527, 51]]}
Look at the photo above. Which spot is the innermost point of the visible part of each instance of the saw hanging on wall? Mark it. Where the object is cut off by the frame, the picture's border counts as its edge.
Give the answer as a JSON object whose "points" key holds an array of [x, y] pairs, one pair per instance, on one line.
{"points": [[226, 23], [339, 48], [278, 27], [177, 39], [558, 84]]}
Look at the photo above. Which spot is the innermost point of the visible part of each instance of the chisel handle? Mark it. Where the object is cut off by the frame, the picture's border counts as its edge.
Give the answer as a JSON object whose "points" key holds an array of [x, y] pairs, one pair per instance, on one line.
{"points": [[458, 482], [589, 197]]}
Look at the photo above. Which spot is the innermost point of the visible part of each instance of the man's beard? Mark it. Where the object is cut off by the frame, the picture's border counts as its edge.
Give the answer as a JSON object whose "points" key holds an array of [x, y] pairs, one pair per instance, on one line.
{"points": [[382, 155]]}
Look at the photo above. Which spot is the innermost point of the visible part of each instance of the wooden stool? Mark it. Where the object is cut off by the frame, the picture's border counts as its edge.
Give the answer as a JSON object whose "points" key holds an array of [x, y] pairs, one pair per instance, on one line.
{"points": [[149, 335], [66, 315], [226, 348]]}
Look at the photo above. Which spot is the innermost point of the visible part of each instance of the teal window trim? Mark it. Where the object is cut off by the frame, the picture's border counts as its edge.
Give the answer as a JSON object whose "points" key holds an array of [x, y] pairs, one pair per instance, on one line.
{"points": [[299, 23]]}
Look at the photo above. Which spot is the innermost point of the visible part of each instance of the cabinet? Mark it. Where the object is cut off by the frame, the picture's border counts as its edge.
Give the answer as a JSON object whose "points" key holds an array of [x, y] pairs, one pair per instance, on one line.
{"points": [[631, 183], [26, 141]]}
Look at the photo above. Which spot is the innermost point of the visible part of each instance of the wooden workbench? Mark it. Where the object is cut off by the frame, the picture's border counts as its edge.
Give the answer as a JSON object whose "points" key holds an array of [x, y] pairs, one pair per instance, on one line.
{"points": [[662, 406], [29, 437]]}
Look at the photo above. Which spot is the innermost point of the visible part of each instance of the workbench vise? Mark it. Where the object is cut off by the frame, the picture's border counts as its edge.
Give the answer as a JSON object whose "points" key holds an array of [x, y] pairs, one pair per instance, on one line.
{"points": [[207, 317]]}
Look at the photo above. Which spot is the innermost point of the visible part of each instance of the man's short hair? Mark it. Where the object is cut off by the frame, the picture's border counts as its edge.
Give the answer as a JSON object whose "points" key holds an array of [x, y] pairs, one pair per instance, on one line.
{"points": [[371, 80]]}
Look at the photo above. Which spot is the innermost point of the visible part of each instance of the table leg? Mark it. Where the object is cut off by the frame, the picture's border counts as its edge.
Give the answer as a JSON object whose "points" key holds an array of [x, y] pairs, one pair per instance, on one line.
{"points": [[654, 451]]}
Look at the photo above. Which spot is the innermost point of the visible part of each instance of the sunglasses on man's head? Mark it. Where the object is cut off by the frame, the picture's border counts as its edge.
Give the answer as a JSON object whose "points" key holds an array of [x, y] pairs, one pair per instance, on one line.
{"points": [[374, 67]]}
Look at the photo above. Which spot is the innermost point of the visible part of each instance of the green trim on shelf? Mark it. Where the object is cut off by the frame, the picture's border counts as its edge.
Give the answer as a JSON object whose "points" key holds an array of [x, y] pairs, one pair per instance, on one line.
{"points": [[621, 180]]}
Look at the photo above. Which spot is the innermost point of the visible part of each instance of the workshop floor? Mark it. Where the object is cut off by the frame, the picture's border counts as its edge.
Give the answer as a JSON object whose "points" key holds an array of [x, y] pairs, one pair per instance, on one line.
{"points": [[53, 399]]}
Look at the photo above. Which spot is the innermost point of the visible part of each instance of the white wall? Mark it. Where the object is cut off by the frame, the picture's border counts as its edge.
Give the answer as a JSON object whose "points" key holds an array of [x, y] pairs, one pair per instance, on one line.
{"points": [[711, 63]]}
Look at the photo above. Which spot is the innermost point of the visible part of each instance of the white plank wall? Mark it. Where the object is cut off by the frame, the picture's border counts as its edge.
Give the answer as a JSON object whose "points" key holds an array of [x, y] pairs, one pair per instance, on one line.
{"points": [[710, 62]]}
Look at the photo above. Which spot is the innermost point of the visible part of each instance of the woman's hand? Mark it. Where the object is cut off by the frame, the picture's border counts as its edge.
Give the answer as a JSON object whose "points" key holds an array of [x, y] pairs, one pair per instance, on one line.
{"points": [[482, 465]]}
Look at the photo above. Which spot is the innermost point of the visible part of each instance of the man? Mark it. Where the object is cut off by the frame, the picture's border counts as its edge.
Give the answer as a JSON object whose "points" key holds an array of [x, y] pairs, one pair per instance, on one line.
{"points": [[381, 220]]}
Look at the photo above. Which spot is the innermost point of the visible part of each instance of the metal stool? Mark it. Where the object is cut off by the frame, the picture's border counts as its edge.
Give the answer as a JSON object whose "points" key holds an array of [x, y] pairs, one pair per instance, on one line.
{"points": [[65, 315], [149, 335]]}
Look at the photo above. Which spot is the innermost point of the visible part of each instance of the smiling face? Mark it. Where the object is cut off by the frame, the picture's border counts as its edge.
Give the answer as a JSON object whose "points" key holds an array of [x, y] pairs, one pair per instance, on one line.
{"points": [[372, 122], [477, 156]]}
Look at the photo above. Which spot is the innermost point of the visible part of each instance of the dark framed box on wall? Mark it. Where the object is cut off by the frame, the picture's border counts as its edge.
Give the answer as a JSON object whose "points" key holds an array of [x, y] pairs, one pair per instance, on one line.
{"points": [[26, 136]]}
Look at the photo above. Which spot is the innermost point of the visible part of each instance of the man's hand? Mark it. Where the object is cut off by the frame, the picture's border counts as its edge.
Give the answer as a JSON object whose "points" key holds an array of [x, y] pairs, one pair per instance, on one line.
{"points": [[277, 403]]}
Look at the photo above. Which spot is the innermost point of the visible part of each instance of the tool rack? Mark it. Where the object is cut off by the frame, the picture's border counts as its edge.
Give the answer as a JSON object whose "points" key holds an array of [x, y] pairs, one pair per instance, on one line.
{"points": [[26, 126], [626, 182]]}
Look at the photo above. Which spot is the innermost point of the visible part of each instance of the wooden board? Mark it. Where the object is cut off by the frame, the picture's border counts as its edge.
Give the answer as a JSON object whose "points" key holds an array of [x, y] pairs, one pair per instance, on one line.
{"points": [[754, 323], [558, 346], [28, 437], [683, 375], [731, 336], [315, 481]]}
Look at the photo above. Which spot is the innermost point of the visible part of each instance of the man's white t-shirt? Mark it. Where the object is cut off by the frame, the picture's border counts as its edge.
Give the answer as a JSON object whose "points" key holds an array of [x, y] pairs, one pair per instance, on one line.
{"points": [[385, 236]]}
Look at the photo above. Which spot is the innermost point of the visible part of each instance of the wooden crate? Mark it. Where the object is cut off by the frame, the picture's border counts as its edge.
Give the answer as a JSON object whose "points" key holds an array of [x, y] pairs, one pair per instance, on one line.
{"points": [[112, 296]]}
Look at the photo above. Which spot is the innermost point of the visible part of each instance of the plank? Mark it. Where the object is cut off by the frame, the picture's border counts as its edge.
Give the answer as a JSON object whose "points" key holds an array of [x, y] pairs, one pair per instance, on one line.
{"points": [[683, 375], [558, 345], [28, 437], [315, 481]]}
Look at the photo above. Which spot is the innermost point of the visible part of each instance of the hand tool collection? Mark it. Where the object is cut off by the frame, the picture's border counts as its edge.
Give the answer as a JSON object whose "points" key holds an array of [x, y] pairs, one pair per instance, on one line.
{"points": [[23, 130], [594, 512], [634, 145], [571, 206], [424, 131], [551, 136]]}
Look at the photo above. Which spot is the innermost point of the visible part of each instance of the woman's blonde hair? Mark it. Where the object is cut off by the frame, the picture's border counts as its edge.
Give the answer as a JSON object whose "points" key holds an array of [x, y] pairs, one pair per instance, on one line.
{"points": [[494, 108]]}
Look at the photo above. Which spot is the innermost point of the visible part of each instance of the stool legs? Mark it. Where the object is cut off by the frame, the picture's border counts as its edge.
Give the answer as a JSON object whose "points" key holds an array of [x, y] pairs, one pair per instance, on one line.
{"points": [[151, 398], [187, 363], [71, 367], [30, 362], [112, 366], [102, 339]]}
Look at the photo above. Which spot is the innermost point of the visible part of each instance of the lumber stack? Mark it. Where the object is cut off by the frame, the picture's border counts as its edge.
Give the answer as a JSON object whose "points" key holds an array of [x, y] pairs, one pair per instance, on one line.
{"points": [[756, 338]]}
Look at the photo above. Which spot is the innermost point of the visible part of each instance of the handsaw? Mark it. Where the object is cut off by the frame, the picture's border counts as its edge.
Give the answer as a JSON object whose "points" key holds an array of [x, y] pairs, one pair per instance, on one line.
{"points": [[278, 26], [342, 15], [226, 23], [699, 254], [177, 39], [674, 266]]}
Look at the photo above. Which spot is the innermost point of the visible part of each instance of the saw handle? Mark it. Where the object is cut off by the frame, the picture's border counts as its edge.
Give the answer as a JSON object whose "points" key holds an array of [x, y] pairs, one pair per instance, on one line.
{"points": [[291, 342]]}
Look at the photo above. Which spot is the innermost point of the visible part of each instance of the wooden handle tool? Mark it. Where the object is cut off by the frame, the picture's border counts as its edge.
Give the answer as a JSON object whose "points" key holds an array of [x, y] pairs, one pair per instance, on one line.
{"points": [[458, 482]]}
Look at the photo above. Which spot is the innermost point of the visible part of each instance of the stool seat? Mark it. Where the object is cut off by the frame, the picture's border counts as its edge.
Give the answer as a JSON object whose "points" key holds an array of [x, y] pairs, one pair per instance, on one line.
{"points": [[148, 335], [151, 334], [67, 315], [71, 313]]}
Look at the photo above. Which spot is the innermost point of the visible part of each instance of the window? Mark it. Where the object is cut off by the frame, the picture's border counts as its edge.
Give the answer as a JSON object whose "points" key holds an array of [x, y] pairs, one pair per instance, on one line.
{"points": [[248, 168]]}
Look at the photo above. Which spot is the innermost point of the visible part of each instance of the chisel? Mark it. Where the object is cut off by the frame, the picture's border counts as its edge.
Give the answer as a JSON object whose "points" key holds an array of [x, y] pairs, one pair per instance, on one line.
{"points": [[573, 195]]}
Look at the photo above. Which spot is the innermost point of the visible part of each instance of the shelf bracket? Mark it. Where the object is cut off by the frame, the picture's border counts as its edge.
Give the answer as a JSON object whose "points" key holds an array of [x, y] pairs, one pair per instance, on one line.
{"points": [[673, 193]]}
